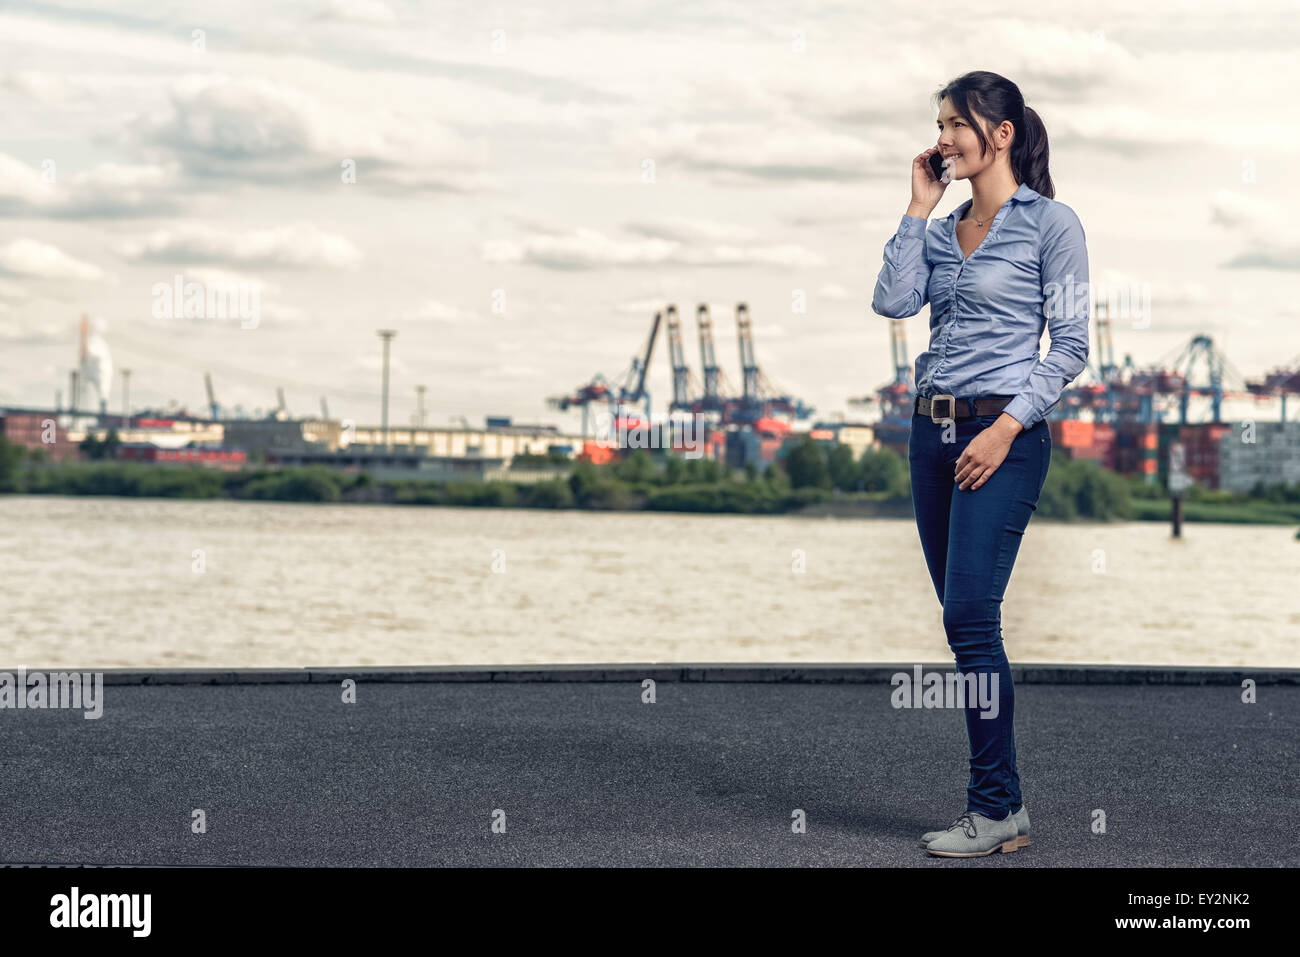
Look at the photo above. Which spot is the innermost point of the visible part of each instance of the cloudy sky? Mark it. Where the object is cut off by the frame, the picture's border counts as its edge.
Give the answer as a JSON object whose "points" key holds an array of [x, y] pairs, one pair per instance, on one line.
{"points": [[533, 181]]}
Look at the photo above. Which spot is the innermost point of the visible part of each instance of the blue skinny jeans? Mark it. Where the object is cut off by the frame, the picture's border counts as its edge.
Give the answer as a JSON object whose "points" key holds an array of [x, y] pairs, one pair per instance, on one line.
{"points": [[970, 539]]}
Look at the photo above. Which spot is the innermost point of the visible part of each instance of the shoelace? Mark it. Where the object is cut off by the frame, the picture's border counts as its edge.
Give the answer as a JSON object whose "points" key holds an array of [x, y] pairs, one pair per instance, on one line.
{"points": [[965, 822]]}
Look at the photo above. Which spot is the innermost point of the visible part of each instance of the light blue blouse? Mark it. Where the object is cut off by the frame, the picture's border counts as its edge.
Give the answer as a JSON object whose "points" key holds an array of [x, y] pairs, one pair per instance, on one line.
{"points": [[988, 311]]}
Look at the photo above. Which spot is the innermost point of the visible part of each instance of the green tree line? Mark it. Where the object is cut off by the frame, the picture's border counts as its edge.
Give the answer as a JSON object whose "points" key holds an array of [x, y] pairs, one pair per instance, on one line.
{"points": [[812, 472]]}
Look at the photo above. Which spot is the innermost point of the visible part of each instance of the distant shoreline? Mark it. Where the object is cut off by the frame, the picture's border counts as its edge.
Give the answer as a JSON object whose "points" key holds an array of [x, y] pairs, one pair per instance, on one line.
{"points": [[1251, 513], [811, 481]]}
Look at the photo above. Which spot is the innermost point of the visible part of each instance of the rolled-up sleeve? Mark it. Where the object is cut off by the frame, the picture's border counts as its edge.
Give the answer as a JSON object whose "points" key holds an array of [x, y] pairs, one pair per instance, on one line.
{"points": [[1064, 262], [903, 285]]}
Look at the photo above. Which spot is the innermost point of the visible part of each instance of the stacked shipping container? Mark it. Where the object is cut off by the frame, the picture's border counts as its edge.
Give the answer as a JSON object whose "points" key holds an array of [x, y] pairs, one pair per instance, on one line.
{"points": [[30, 430], [1201, 457], [1077, 439], [1137, 446]]}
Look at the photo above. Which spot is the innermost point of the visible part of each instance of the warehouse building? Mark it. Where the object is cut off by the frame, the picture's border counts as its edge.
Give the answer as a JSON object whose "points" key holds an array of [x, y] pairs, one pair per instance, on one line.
{"points": [[1273, 458]]}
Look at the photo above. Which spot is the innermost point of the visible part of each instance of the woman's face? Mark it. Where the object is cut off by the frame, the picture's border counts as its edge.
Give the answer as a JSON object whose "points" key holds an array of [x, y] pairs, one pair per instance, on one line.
{"points": [[959, 140]]}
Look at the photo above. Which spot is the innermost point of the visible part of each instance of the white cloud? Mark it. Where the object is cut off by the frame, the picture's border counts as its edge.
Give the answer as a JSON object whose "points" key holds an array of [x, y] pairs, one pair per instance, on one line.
{"points": [[785, 149], [281, 312], [209, 274], [591, 249], [693, 230], [108, 189], [508, 371], [1265, 238], [279, 246], [434, 311], [20, 182], [260, 130], [45, 87], [374, 363], [373, 12], [37, 260], [645, 307], [34, 331], [12, 292], [1250, 212], [240, 118], [582, 249]]}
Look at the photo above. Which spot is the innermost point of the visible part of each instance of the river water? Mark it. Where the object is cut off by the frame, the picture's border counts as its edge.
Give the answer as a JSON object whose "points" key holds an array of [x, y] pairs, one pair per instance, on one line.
{"points": [[107, 582]]}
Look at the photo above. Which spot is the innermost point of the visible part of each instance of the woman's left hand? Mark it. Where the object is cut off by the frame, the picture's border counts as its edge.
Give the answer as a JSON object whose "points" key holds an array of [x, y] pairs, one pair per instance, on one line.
{"points": [[982, 456]]}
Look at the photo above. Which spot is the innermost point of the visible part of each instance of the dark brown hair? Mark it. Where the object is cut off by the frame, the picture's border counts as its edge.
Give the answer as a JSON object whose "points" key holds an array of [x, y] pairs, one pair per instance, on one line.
{"points": [[997, 99]]}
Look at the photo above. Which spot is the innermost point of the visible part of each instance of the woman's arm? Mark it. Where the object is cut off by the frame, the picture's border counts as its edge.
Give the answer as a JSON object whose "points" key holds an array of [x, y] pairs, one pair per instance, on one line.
{"points": [[903, 285], [1064, 260]]}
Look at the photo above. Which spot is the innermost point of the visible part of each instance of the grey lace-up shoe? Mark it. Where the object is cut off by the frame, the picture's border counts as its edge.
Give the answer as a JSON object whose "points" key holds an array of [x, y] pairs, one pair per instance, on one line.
{"points": [[1021, 818], [974, 835]]}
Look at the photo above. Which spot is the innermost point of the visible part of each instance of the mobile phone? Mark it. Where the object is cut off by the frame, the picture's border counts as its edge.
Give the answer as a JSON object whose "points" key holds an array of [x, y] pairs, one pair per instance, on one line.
{"points": [[936, 165]]}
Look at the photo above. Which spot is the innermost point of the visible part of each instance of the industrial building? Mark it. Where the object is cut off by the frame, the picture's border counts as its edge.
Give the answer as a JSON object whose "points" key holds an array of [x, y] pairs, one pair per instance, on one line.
{"points": [[1226, 456], [379, 463], [260, 437], [1273, 457], [858, 436], [502, 441], [224, 459], [1113, 415], [38, 430]]}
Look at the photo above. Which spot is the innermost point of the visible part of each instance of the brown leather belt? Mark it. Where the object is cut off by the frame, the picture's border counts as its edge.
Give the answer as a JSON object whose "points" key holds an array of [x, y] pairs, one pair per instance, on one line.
{"points": [[939, 407]]}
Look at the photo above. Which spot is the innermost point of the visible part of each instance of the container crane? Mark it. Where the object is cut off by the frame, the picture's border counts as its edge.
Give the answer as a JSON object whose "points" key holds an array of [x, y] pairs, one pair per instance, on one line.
{"points": [[212, 397], [1217, 364], [895, 398], [683, 380], [633, 389], [712, 400], [597, 390], [760, 397], [1279, 383]]}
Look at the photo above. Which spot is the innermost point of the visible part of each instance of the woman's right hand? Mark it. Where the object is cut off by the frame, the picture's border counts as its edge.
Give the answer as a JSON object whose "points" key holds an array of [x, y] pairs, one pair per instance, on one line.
{"points": [[926, 190]]}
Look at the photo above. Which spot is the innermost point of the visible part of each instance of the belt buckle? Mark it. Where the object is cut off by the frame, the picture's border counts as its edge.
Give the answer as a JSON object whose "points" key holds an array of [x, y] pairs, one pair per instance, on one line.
{"points": [[952, 408]]}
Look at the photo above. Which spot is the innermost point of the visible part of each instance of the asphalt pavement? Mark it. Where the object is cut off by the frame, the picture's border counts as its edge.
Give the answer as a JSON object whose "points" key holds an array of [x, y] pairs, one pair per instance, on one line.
{"points": [[564, 772]]}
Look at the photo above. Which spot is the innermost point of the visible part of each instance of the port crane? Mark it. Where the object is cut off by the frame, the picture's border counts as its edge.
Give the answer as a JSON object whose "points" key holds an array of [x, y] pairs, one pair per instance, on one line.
{"points": [[1279, 383], [712, 396], [628, 388]]}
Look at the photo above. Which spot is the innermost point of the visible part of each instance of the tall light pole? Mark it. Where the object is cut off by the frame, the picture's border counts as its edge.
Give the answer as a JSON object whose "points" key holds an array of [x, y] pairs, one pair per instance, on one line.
{"points": [[126, 398], [387, 336], [419, 405]]}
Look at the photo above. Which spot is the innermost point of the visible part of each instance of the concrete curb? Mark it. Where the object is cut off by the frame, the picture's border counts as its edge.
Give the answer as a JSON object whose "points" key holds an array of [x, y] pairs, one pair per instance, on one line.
{"points": [[867, 673]]}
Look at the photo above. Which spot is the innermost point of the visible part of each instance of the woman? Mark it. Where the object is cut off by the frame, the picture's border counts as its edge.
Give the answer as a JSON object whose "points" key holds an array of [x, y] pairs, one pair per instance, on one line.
{"points": [[1003, 265]]}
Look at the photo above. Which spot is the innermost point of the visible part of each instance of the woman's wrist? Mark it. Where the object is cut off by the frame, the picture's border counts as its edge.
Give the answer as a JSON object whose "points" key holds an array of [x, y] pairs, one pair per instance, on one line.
{"points": [[1008, 425], [920, 212]]}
